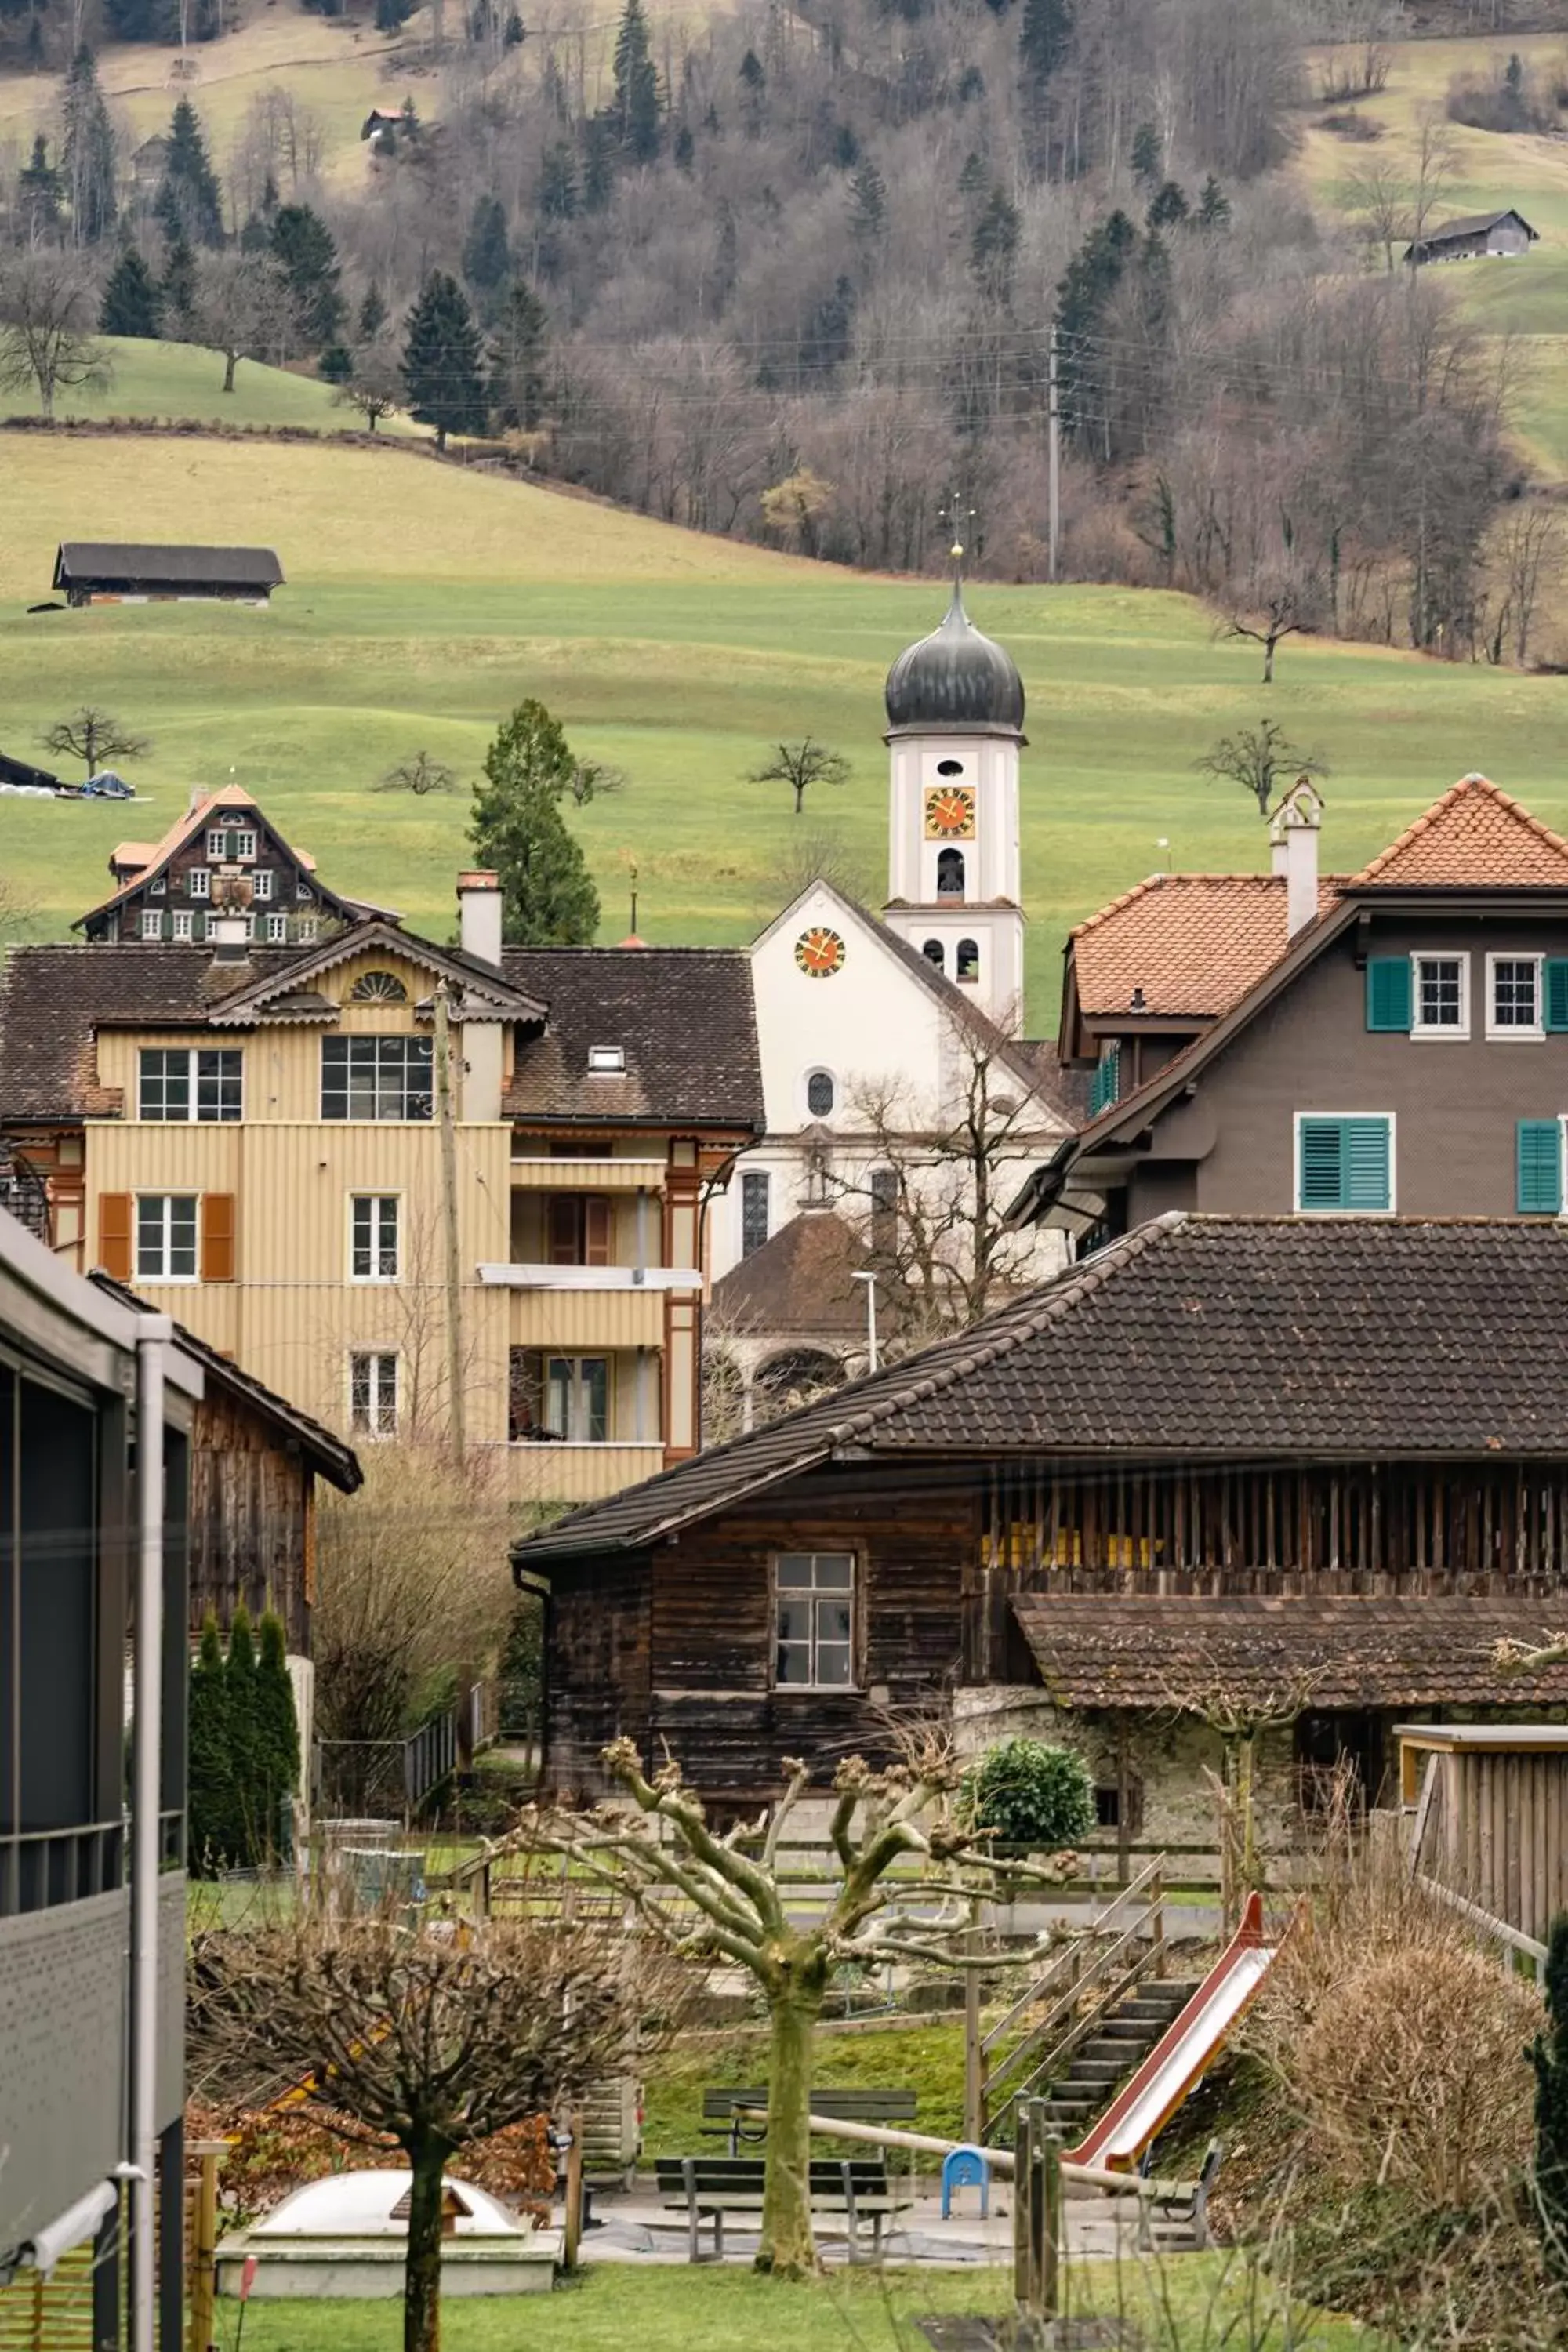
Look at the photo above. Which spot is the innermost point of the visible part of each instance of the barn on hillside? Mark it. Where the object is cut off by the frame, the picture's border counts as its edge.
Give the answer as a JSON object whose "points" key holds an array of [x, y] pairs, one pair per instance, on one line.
{"points": [[105, 571], [1472, 235]]}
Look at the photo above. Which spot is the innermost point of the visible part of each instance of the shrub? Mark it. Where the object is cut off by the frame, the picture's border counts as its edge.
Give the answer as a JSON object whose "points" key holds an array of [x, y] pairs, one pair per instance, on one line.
{"points": [[211, 1798], [1031, 1794]]}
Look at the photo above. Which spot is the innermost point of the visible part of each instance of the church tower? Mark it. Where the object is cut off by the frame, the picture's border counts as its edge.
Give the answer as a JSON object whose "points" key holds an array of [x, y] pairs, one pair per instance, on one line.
{"points": [[955, 727]]}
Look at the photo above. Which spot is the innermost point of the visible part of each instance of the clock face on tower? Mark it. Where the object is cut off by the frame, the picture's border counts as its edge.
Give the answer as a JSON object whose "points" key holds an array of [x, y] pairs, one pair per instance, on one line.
{"points": [[819, 952], [950, 813]]}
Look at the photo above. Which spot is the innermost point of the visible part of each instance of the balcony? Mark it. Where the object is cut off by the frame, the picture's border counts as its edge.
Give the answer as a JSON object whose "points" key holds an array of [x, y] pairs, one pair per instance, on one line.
{"points": [[533, 1175], [571, 1308], [564, 1472]]}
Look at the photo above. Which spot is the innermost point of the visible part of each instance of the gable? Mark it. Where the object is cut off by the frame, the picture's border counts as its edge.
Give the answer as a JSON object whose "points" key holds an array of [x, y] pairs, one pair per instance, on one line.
{"points": [[832, 994], [1475, 837]]}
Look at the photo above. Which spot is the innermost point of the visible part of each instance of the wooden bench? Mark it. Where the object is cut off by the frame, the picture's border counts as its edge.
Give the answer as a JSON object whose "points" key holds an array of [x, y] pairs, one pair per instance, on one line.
{"points": [[1186, 2210], [854, 2105], [707, 2188]]}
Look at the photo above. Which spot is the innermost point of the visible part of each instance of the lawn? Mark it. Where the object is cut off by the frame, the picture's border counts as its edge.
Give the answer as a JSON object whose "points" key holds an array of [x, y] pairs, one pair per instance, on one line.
{"points": [[923, 2054], [1187, 2302], [423, 601], [181, 381]]}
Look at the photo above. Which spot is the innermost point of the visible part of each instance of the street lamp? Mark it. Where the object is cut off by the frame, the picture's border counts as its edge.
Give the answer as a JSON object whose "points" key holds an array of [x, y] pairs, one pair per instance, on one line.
{"points": [[867, 1275]]}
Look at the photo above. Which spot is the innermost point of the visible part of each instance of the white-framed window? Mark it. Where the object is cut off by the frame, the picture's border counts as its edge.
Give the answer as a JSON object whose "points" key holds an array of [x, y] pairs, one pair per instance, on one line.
{"points": [[261, 882], [184, 921], [217, 844], [305, 929], [152, 923], [277, 931], [821, 1094], [176, 1083], [376, 1078], [165, 1236], [814, 1610], [155, 887], [303, 892], [373, 1393], [1441, 997], [1514, 1008], [199, 882], [373, 1238], [242, 845], [576, 1399]]}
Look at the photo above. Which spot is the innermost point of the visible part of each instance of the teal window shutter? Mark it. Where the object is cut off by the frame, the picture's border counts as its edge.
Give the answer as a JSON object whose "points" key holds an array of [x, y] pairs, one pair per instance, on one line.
{"points": [[1557, 992], [1366, 1159], [1323, 1164], [1540, 1167], [1346, 1163], [1107, 1086], [1388, 993]]}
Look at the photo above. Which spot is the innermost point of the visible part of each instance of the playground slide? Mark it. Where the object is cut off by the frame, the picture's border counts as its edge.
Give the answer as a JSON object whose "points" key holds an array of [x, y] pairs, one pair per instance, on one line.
{"points": [[1184, 2053]]}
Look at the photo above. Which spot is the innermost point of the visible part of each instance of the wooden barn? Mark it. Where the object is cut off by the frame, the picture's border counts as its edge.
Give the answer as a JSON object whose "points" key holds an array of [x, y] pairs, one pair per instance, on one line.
{"points": [[109, 572], [1314, 1470], [1473, 235], [1487, 1808], [254, 1459]]}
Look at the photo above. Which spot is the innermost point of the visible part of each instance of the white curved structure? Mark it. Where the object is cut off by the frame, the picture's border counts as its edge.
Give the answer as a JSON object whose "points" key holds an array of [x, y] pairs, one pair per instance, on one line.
{"points": [[348, 2236], [376, 2204]]}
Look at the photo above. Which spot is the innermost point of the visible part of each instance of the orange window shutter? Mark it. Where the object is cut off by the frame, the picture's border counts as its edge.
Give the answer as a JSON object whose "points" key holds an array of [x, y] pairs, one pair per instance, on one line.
{"points": [[114, 1234], [595, 1232], [218, 1237]]}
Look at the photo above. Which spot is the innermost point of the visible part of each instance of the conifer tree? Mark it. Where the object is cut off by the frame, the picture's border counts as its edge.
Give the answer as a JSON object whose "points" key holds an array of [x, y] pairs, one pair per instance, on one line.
{"points": [[372, 314], [178, 290], [548, 899], [517, 357], [487, 257], [87, 151], [1045, 38], [211, 1784], [442, 357], [558, 183], [303, 249], [38, 188], [278, 1731], [638, 100], [248, 1827], [188, 203], [132, 304]]}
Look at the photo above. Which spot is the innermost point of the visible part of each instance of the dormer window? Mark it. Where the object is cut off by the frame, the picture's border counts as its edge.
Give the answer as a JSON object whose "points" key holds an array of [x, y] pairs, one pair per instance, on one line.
{"points": [[378, 988], [606, 1061]]}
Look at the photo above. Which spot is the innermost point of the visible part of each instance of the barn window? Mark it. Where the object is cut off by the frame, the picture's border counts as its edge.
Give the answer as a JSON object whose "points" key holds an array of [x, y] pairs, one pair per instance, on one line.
{"points": [[968, 968], [814, 1600], [934, 953], [950, 874]]}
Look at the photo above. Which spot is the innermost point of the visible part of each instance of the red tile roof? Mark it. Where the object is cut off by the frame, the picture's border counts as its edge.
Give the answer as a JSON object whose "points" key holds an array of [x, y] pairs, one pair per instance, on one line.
{"points": [[1474, 837], [1193, 943]]}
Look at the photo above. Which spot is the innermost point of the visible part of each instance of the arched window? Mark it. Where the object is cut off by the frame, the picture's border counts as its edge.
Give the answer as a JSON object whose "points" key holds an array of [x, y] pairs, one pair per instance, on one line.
{"points": [[820, 1092], [950, 767], [968, 960], [933, 953], [950, 874], [378, 988]]}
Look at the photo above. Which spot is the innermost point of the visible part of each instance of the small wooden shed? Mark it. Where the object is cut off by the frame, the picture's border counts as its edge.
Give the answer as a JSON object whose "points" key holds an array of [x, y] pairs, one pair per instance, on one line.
{"points": [[1489, 1808]]}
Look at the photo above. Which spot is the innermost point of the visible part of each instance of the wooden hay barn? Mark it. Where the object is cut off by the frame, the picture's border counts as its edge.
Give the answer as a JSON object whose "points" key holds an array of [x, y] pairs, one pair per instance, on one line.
{"points": [[108, 572]]}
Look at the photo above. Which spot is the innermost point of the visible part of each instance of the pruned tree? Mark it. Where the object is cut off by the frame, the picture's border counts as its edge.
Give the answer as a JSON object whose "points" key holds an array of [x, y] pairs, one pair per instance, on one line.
{"points": [[94, 735], [48, 314], [1243, 1709], [723, 1898], [800, 765], [416, 2036], [1257, 757], [418, 775]]}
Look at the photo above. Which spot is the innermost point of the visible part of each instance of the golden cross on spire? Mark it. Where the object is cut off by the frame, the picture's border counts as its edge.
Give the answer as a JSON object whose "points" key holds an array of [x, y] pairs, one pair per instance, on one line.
{"points": [[956, 515]]}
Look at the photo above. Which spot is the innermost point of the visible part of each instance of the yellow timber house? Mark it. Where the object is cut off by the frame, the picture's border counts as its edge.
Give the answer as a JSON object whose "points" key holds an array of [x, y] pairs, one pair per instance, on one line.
{"points": [[312, 1148]]}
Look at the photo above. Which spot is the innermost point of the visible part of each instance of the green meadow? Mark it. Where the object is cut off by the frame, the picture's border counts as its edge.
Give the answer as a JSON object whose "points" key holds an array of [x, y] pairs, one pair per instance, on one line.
{"points": [[173, 383], [423, 601]]}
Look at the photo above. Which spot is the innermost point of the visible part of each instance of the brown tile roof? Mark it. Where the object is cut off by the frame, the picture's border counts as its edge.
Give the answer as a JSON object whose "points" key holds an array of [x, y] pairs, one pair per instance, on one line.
{"points": [[802, 1279], [1224, 1338], [1475, 837], [1192, 943], [1131, 1650], [684, 1017]]}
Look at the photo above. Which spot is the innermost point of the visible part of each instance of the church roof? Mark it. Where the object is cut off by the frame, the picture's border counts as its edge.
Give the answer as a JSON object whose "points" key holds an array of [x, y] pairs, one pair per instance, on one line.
{"points": [[802, 1279], [955, 678]]}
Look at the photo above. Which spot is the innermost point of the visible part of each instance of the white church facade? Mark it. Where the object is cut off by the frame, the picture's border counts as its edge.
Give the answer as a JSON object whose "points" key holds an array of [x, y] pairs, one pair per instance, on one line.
{"points": [[876, 1033]]}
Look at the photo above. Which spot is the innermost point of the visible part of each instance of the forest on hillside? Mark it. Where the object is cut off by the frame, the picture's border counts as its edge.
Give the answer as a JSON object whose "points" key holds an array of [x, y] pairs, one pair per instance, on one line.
{"points": [[796, 275]]}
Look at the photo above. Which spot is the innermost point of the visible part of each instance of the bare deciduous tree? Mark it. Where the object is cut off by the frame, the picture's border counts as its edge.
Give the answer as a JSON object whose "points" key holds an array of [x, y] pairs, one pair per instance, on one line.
{"points": [[48, 311], [423, 2038], [94, 735], [800, 765], [594, 779], [418, 775], [1257, 757], [242, 308], [375, 389], [1279, 610], [1527, 556]]}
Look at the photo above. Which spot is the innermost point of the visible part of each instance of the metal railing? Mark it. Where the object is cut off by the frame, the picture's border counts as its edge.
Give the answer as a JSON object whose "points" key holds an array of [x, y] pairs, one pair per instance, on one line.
{"points": [[42, 1869], [386, 1777]]}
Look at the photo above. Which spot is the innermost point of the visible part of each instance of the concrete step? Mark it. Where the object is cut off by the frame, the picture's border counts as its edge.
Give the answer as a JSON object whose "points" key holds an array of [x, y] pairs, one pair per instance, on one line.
{"points": [[1088, 2074]]}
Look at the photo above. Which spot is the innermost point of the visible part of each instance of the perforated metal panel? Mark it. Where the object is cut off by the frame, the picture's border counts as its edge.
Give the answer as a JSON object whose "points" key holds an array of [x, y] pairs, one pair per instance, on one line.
{"points": [[62, 2078]]}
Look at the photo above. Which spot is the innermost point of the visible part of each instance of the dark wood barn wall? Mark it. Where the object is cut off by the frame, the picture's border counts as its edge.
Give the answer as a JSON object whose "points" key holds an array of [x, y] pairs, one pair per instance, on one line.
{"points": [[252, 1521]]}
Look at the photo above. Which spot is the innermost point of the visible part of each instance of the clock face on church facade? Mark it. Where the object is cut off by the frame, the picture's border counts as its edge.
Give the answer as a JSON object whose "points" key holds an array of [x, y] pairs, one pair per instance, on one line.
{"points": [[950, 813], [819, 952]]}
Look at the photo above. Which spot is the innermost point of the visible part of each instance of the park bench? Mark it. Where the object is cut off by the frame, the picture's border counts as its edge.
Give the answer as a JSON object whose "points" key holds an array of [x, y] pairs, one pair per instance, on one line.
{"points": [[709, 2188], [857, 2105], [1187, 2210]]}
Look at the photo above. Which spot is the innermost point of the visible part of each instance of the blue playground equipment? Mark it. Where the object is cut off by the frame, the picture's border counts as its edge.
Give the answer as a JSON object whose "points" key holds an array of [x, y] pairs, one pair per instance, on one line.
{"points": [[965, 2168]]}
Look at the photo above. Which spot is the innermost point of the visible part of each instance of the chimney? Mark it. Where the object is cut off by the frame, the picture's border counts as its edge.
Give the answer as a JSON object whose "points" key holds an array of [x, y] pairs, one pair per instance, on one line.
{"points": [[1278, 853], [1300, 816], [479, 917]]}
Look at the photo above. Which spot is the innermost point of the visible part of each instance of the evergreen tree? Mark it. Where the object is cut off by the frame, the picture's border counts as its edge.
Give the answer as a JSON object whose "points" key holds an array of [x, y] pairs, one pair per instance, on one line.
{"points": [[211, 1789], [636, 107], [598, 162], [38, 188], [303, 249], [277, 1732], [753, 92], [972, 179], [372, 314], [558, 184], [1146, 154], [1092, 276], [131, 302], [87, 151], [994, 248], [1549, 2056], [336, 364], [517, 357], [178, 290], [1214, 206], [1169, 207], [442, 356], [188, 204], [518, 831], [249, 1829], [487, 257], [1045, 38], [684, 150], [868, 202]]}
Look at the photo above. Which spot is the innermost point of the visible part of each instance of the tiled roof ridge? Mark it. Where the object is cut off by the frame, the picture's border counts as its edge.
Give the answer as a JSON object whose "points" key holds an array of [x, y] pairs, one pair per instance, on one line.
{"points": [[1474, 783], [1152, 882]]}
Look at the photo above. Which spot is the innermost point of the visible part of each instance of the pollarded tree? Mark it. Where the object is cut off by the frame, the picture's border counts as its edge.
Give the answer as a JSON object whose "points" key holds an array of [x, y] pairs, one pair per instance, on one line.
{"points": [[132, 304], [188, 203], [443, 360], [900, 1841]]}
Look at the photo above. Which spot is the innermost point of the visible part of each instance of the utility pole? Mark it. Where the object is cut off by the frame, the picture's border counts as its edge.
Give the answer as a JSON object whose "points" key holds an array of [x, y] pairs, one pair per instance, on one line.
{"points": [[449, 1219], [1054, 460]]}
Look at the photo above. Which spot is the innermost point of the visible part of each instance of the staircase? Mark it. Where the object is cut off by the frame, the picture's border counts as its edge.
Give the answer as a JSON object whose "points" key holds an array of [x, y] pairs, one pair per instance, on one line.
{"points": [[1121, 2040]]}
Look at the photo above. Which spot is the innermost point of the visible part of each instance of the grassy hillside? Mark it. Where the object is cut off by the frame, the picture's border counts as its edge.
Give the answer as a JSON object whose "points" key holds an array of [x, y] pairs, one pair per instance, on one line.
{"points": [[423, 601], [182, 380], [1527, 297]]}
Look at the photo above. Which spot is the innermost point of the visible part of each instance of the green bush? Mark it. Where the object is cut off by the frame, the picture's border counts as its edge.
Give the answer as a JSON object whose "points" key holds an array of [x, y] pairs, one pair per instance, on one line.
{"points": [[1030, 1794], [244, 1746], [210, 1803], [277, 1732]]}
